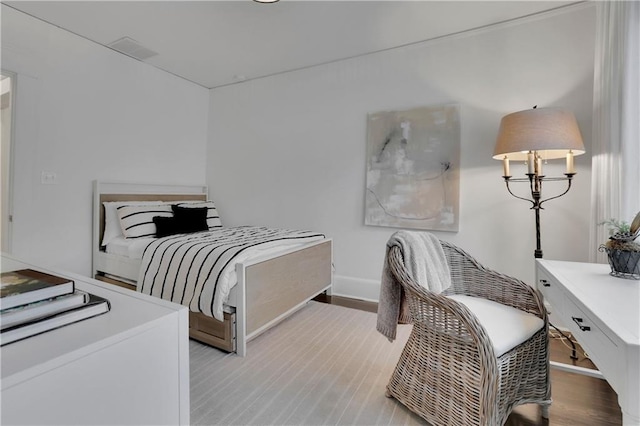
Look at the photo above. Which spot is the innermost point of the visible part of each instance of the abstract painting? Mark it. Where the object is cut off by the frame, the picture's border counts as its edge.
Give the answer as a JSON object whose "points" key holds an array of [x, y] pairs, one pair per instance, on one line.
{"points": [[413, 168]]}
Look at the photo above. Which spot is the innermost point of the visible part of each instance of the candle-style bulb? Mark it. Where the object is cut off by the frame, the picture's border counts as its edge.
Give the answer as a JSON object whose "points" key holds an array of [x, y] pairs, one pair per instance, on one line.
{"points": [[539, 166], [530, 163], [570, 166], [505, 166]]}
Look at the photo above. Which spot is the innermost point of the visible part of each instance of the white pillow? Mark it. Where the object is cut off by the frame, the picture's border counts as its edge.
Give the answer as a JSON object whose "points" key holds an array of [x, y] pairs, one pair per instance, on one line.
{"points": [[137, 221], [112, 227], [213, 218]]}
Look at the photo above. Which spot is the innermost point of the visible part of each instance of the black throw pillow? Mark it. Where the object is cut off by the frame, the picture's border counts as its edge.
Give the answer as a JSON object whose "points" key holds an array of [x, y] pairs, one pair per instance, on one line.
{"points": [[190, 219], [166, 226]]}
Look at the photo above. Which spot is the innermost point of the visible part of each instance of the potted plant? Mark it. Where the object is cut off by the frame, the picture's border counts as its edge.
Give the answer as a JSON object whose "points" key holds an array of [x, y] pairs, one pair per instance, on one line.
{"points": [[622, 249]]}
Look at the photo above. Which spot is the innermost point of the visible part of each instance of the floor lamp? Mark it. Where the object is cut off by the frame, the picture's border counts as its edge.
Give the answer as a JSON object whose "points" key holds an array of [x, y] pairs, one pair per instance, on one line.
{"points": [[534, 136]]}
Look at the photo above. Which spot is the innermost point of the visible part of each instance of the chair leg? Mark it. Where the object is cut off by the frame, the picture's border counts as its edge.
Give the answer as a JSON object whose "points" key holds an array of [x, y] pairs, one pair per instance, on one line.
{"points": [[545, 410]]}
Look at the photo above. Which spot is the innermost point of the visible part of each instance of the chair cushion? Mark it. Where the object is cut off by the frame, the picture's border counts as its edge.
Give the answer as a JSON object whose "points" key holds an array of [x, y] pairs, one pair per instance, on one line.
{"points": [[507, 327]]}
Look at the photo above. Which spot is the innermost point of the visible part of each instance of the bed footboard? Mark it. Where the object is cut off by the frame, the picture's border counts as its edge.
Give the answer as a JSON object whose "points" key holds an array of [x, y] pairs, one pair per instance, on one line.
{"points": [[270, 290]]}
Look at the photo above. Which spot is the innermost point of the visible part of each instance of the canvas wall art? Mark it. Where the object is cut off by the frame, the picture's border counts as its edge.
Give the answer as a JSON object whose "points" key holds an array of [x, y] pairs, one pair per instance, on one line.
{"points": [[413, 168]]}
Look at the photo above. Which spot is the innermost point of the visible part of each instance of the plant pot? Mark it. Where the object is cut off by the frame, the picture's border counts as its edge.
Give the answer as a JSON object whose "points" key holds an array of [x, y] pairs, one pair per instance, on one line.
{"points": [[624, 264]]}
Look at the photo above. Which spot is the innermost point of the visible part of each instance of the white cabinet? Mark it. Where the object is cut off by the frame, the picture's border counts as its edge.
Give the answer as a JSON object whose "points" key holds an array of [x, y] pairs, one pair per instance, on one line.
{"points": [[603, 314], [128, 366]]}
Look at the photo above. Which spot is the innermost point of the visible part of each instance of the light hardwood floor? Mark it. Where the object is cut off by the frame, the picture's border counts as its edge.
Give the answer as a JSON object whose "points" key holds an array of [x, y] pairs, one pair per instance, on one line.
{"points": [[577, 399]]}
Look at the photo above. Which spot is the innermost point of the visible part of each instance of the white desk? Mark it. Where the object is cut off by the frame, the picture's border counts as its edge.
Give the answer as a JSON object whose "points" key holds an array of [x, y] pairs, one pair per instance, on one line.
{"points": [[603, 313], [128, 366]]}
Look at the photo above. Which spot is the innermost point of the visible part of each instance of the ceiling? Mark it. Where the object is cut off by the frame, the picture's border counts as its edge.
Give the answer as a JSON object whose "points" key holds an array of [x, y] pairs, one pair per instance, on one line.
{"points": [[217, 43]]}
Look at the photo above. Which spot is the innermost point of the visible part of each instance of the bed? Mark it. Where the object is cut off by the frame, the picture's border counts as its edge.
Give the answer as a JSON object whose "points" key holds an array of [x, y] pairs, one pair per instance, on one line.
{"points": [[266, 284]]}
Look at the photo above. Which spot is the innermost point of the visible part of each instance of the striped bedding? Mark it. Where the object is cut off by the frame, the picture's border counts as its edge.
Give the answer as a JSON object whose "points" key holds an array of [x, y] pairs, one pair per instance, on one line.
{"points": [[198, 270]]}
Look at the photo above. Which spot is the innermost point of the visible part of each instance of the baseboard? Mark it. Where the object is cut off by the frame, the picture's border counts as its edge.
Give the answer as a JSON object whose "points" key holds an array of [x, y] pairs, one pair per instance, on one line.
{"points": [[356, 288], [348, 302]]}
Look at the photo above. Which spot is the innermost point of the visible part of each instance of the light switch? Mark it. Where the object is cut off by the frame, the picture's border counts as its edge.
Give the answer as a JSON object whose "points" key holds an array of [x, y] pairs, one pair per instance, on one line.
{"points": [[49, 178]]}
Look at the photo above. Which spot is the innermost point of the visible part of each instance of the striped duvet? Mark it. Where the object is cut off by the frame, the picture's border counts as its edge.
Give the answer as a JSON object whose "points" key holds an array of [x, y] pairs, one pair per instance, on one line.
{"points": [[198, 270]]}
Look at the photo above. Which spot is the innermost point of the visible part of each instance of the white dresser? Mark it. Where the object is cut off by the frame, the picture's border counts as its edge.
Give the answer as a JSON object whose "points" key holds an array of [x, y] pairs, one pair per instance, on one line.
{"points": [[603, 313], [128, 366]]}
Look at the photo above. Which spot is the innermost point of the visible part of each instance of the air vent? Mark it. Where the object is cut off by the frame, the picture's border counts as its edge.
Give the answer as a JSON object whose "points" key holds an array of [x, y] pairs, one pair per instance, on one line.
{"points": [[132, 48]]}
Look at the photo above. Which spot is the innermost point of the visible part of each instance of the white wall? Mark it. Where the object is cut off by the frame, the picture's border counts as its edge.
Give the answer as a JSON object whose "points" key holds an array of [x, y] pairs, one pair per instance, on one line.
{"points": [[289, 150], [86, 112]]}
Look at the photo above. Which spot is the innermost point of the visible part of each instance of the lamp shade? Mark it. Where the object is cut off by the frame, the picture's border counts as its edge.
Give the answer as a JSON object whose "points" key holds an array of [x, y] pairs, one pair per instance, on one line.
{"points": [[553, 132]]}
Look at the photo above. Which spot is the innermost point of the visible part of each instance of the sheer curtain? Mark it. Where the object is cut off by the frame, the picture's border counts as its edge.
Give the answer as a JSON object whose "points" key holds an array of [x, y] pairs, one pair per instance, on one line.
{"points": [[615, 182]]}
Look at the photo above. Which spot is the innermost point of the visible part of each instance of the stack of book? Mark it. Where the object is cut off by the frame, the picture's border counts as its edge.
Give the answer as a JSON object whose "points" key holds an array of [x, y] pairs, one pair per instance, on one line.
{"points": [[33, 302]]}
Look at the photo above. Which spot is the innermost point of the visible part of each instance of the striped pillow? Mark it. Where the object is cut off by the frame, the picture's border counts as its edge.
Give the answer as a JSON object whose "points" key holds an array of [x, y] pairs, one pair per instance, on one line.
{"points": [[137, 221], [213, 218], [112, 227]]}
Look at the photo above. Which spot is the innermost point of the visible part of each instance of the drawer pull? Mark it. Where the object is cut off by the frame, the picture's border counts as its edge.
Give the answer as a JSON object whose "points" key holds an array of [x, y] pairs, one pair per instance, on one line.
{"points": [[580, 326], [545, 283]]}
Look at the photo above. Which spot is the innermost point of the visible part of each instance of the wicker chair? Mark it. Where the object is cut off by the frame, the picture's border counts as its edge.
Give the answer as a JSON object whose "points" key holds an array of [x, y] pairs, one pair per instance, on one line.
{"points": [[449, 373]]}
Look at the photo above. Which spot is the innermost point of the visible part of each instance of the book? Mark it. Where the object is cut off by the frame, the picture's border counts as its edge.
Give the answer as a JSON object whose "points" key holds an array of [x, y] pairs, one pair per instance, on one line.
{"points": [[43, 308], [96, 305], [28, 285]]}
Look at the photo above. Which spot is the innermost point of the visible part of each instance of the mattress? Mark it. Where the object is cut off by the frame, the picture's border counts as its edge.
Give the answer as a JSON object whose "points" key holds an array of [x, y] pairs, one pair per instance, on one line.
{"points": [[127, 247], [134, 248], [199, 270], [132, 251]]}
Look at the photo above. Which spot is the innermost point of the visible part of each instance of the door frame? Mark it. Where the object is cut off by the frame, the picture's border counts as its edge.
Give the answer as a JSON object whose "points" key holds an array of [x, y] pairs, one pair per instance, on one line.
{"points": [[7, 222]]}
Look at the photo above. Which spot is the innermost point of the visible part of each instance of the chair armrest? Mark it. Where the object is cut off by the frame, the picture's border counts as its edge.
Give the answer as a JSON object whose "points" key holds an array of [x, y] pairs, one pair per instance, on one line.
{"points": [[471, 278]]}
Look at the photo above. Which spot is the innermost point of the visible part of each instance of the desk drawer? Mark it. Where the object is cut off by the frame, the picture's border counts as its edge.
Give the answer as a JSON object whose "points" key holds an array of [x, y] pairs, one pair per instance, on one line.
{"points": [[551, 290], [600, 348]]}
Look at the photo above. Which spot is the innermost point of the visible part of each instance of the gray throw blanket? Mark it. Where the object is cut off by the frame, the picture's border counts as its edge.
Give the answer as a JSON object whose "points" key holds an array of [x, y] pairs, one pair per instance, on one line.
{"points": [[426, 263]]}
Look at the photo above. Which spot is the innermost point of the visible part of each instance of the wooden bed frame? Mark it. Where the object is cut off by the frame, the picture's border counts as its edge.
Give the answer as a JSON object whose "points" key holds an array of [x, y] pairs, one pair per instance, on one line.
{"points": [[268, 290]]}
